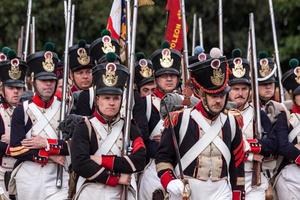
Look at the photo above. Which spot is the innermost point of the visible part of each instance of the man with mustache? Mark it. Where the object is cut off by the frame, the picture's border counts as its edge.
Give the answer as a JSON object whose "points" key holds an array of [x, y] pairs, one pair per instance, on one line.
{"points": [[210, 142], [240, 84], [34, 140], [12, 75]]}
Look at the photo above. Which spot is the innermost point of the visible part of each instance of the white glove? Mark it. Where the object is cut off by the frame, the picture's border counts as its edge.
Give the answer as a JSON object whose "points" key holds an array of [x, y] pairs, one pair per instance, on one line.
{"points": [[175, 188]]}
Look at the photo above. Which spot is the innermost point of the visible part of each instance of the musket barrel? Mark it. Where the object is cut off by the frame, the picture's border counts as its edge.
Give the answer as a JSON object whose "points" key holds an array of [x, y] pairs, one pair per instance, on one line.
{"points": [[201, 32], [221, 26], [72, 26], [279, 73], [27, 30], [185, 43], [194, 34], [32, 39]]}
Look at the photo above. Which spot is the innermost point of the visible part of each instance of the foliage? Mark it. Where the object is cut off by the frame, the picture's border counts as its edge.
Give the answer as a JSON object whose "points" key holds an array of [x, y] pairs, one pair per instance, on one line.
{"points": [[91, 17]]}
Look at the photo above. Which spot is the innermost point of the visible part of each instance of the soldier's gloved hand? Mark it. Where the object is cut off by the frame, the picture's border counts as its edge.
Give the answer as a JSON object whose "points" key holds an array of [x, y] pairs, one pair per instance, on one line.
{"points": [[175, 188], [173, 101], [67, 126]]}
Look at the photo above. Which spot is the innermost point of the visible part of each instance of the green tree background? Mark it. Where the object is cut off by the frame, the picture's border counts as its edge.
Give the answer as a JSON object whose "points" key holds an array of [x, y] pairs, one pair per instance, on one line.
{"points": [[91, 17]]}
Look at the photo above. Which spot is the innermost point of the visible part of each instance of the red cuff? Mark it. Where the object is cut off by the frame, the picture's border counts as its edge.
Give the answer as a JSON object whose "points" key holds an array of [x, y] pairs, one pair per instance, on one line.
{"points": [[108, 162], [138, 143], [7, 151], [112, 180], [166, 178], [297, 161], [42, 157], [236, 195], [54, 147], [255, 147]]}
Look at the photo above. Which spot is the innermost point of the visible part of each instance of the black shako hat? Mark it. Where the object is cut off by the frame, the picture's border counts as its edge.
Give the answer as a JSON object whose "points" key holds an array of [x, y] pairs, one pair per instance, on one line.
{"points": [[12, 70], [211, 75], [291, 79], [110, 77], [79, 57], [42, 64], [143, 70], [266, 69], [240, 69], [166, 61], [103, 45]]}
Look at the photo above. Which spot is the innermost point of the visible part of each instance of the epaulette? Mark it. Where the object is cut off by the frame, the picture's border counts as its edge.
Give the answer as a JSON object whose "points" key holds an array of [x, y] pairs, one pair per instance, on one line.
{"points": [[174, 118], [237, 115]]}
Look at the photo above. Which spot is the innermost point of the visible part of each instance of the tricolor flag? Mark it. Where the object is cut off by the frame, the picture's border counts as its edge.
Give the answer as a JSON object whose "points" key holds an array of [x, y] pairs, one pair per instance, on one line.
{"points": [[116, 22], [174, 25]]}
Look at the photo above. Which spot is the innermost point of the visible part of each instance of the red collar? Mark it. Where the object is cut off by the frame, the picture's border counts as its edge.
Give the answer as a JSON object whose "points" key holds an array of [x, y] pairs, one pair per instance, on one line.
{"points": [[202, 110], [6, 105], [99, 117], [41, 103], [295, 109], [58, 94], [74, 88], [157, 92]]}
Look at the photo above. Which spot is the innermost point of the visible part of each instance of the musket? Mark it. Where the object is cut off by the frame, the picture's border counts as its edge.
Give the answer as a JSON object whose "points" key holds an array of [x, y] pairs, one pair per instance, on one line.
{"points": [[130, 92], [256, 176], [281, 91], [185, 43], [20, 42], [200, 32], [72, 26], [194, 34], [64, 89], [25, 53], [66, 12], [186, 192], [221, 26], [32, 36]]}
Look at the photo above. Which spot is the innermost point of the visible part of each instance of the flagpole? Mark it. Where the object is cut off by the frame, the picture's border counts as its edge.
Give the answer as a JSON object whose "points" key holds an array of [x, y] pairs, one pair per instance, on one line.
{"points": [[128, 29]]}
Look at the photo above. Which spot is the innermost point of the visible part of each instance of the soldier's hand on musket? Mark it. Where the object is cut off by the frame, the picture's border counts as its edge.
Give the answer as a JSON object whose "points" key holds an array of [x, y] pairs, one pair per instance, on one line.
{"points": [[175, 188], [96, 159], [125, 179], [258, 157], [35, 142], [58, 159], [157, 138], [5, 138]]}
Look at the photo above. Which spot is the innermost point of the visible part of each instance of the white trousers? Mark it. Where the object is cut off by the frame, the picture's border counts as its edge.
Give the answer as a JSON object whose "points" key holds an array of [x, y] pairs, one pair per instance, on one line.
{"points": [[208, 190], [36, 182], [98, 191], [149, 182], [288, 183], [255, 193]]}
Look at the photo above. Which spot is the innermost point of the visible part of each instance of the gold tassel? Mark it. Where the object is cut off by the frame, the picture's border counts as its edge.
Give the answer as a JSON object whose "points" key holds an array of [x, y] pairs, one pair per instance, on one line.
{"points": [[146, 3]]}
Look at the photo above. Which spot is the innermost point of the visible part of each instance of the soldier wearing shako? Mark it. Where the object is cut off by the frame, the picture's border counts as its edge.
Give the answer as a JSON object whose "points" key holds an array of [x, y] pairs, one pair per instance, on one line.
{"points": [[144, 75], [210, 142], [97, 51], [97, 142], [266, 78], [166, 63], [12, 75], [287, 127], [81, 69], [240, 83], [34, 135]]}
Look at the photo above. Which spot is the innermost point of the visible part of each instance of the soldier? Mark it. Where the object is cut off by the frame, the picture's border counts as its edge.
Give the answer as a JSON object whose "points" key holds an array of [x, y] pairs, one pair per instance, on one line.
{"points": [[240, 92], [209, 142], [81, 69], [266, 78], [144, 77], [34, 135], [166, 63], [97, 143], [12, 74], [287, 183], [98, 50]]}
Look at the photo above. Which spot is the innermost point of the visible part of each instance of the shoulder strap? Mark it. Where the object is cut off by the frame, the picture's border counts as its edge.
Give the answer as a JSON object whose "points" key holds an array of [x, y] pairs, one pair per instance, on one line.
{"points": [[184, 124], [89, 126], [232, 125], [148, 106]]}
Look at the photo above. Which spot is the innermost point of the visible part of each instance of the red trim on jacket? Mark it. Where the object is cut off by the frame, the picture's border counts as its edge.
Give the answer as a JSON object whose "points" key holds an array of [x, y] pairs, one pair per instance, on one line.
{"points": [[137, 144], [112, 180], [157, 92], [108, 161], [99, 117], [166, 178], [297, 161]]}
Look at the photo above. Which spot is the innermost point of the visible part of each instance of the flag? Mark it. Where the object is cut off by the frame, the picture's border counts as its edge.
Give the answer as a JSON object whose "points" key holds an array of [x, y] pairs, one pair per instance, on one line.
{"points": [[116, 22], [174, 32]]}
